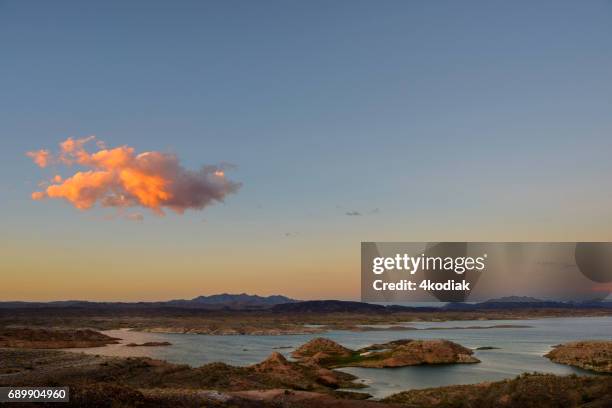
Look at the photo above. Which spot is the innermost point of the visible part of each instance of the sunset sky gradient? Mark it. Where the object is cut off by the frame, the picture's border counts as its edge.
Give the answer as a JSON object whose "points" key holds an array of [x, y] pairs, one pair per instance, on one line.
{"points": [[346, 121]]}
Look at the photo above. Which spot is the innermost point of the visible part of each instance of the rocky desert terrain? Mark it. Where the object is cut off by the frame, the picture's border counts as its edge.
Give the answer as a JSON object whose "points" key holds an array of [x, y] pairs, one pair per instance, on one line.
{"points": [[525, 391], [589, 355], [300, 318]]}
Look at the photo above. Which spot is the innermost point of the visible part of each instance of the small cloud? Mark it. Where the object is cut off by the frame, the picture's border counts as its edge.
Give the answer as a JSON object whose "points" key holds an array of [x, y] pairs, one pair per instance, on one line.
{"points": [[41, 157], [355, 213], [291, 234]]}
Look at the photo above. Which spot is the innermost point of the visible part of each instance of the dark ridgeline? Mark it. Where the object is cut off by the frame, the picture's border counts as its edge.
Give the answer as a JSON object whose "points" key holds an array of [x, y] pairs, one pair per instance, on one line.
{"points": [[241, 301], [283, 304]]}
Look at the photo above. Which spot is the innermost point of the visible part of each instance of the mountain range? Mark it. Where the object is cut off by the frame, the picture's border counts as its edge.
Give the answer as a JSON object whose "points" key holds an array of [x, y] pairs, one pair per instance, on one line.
{"points": [[283, 304], [221, 301]]}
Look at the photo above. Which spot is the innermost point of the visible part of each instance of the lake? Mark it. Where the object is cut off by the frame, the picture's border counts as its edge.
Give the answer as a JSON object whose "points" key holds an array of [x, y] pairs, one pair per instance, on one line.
{"points": [[520, 349]]}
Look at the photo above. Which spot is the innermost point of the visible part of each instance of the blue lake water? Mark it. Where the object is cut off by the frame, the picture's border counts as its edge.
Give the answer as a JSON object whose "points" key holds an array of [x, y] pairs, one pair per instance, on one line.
{"points": [[520, 349]]}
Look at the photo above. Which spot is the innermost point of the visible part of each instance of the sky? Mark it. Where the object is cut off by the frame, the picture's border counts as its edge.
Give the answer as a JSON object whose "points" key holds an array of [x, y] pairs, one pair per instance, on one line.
{"points": [[343, 121]]}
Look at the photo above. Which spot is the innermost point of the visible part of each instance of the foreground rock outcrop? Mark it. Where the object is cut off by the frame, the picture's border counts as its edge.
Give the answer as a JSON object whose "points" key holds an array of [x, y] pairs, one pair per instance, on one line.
{"points": [[43, 338], [525, 391], [105, 395], [31, 367], [589, 355], [97, 381], [398, 353], [302, 376]]}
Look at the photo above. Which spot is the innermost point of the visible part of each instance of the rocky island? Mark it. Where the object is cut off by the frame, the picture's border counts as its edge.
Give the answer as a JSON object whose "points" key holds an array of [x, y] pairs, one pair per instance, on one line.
{"points": [[398, 353], [48, 338], [589, 355], [149, 344]]}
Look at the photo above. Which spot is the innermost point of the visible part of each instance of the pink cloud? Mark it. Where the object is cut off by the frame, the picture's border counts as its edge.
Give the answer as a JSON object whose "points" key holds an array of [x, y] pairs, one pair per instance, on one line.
{"points": [[119, 177], [40, 157]]}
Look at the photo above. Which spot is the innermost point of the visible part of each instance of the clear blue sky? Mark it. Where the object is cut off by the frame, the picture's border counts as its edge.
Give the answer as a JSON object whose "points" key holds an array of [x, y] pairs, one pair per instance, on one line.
{"points": [[482, 120]]}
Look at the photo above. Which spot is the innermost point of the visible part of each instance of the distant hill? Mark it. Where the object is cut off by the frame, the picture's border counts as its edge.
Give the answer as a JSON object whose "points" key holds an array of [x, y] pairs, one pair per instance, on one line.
{"points": [[236, 301], [213, 302], [339, 306], [519, 299], [283, 304], [525, 302]]}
